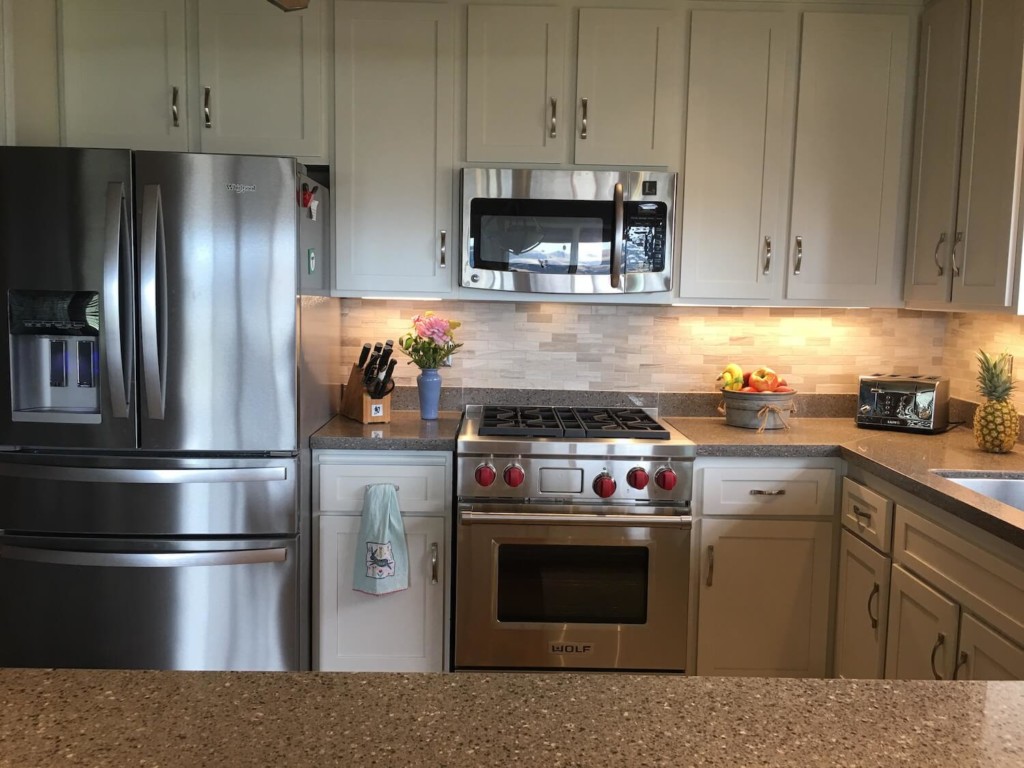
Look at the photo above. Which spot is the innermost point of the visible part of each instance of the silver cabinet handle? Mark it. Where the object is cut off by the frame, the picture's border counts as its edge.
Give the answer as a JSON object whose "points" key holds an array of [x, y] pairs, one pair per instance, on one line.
{"points": [[935, 256], [799, 255], [956, 241], [583, 125], [961, 662], [206, 107], [433, 563], [620, 215], [874, 593], [142, 476], [152, 249], [553, 133], [939, 642], [444, 249], [759, 492], [174, 106], [117, 243], [767, 255], [711, 566], [143, 559]]}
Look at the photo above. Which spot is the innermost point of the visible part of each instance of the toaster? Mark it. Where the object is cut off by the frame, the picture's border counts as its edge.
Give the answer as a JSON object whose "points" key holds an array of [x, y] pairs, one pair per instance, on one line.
{"points": [[906, 403]]}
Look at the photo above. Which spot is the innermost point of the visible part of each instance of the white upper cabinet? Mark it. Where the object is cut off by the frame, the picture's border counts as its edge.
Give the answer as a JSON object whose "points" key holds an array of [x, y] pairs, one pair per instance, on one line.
{"points": [[627, 106], [736, 164], [123, 67], [259, 78], [515, 100], [965, 242], [626, 84], [845, 234], [394, 94], [258, 90]]}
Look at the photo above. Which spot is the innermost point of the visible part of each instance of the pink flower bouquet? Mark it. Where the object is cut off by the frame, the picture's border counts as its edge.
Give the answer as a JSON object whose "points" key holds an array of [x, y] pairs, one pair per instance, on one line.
{"points": [[430, 341]]}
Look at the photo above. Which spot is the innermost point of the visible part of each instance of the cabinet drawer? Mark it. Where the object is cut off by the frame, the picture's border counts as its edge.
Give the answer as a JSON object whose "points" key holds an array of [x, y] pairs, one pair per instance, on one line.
{"points": [[991, 586], [771, 491], [421, 488], [867, 514]]}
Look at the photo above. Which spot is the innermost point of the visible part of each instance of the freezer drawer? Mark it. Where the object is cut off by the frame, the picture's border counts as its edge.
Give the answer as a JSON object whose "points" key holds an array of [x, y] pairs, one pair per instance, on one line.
{"points": [[149, 604], [140, 496]]}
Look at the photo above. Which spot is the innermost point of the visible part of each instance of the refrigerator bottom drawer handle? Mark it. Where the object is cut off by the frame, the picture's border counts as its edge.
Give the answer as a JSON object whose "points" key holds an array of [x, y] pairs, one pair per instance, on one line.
{"points": [[143, 559], [145, 476]]}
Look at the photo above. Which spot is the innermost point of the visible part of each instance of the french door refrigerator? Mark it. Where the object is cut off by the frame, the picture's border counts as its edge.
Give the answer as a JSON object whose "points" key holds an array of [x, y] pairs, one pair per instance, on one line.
{"points": [[163, 369]]}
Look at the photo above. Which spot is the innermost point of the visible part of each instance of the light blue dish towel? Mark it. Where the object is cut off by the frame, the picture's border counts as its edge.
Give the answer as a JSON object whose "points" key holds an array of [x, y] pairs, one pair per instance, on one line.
{"points": [[382, 555]]}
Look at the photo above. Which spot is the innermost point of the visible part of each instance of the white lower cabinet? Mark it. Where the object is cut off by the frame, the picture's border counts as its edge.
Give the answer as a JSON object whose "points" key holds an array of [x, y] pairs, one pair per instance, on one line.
{"points": [[922, 630], [764, 598], [400, 632], [985, 654], [861, 610]]}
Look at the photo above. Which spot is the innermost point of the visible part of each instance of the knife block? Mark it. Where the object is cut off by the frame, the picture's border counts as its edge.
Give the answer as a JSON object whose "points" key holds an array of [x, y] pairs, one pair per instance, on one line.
{"points": [[357, 405]]}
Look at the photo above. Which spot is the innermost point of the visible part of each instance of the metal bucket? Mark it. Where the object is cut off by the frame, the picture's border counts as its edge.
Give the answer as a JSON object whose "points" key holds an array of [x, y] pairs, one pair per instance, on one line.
{"points": [[760, 411]]}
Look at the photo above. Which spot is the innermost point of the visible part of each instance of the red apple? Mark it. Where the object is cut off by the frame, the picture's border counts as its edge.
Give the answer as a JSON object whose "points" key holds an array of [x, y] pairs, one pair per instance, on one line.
{"points": [[764, 380]]}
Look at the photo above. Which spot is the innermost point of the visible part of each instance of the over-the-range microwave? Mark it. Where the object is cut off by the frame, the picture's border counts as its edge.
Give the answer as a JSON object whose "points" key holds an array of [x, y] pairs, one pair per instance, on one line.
{"points": [[567, 231]]}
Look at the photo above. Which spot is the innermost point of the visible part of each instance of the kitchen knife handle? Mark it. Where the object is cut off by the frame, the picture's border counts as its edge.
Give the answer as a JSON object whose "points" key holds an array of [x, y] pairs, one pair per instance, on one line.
{"points": [[554, 118], [364, 355], [935, 256], [206, 107], [433, 563], [583, 126], [799, 254], [174, 106], [711, 566], [444, 249], [940, 640], [872, 596], [616, 265], [117, 243], [767, 255], [956, 241]]}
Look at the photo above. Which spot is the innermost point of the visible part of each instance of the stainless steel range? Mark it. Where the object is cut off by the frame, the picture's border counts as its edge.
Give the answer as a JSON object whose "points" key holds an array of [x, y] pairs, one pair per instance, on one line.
{"points": [[573, 540]]}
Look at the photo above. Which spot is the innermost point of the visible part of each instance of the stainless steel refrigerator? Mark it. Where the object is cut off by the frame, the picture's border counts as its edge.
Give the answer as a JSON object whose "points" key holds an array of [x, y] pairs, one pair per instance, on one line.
{"points": [[167, 354]]}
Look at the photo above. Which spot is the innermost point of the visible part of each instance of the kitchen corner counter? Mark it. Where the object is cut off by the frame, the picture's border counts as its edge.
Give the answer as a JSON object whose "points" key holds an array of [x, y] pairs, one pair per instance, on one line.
{"points": [[405, 432], [806, 437], [100, 717]]}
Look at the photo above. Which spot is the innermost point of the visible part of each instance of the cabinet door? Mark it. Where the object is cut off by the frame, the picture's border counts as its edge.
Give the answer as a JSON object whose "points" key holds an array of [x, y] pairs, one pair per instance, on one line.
{"points": [[123, 71], [940, 102], [737, 155], [845, 222], [626, 87], [400, 632], [861, 610], [260, 78], [990, 165], [764, 595], [986, 655], [922, 630], [394, 161], [515, 106]]}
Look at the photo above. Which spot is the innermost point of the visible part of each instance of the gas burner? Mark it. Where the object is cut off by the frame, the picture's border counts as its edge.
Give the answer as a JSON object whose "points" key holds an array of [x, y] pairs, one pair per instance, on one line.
{"points": [[543, 421]]}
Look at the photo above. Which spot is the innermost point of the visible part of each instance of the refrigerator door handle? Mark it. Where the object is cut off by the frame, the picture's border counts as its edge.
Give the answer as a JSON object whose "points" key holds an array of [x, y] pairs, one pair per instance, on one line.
{"points": [[151, 284], [143, 476], [117, 243], [143, 559]]}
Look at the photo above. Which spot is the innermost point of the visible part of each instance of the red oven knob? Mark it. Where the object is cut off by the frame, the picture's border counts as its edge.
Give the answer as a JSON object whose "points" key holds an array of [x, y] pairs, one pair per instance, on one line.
{"points": [[514, 475], [638, 478], [666, 479], [485, 475], [604, 485]]}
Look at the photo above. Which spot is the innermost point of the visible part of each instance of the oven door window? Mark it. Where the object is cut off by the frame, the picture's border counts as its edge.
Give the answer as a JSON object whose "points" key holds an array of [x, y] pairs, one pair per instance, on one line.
{"points": [[552, 237], [572, 584]]}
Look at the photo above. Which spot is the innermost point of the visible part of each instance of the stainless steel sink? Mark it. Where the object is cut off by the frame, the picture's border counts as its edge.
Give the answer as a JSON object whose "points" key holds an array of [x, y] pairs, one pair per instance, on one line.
{"points": [[1008, 490]]}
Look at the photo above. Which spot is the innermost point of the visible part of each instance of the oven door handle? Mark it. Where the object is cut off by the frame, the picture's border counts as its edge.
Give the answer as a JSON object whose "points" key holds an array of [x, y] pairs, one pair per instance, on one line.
{"points": [[468, 517]]}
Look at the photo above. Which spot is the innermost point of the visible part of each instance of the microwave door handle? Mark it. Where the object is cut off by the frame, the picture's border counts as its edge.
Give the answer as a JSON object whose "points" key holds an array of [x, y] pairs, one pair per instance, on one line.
{"points": [[116, 244], [153, 252], [616, 266]]}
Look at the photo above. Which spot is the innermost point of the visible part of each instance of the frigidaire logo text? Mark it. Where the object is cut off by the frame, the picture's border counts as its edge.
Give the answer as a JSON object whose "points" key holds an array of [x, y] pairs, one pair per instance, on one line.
{"points": [[574, 648], [241, 189]]}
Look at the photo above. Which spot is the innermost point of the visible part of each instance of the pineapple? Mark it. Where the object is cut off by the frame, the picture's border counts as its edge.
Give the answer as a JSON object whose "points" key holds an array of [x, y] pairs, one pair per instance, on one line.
{"points": [[996, 423]]}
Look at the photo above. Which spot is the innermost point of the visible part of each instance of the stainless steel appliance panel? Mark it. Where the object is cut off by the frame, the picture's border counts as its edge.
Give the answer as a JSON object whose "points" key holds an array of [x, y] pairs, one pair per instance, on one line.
{"points": [[145, 496], [66, 226], [167, 604], [217, 291]]}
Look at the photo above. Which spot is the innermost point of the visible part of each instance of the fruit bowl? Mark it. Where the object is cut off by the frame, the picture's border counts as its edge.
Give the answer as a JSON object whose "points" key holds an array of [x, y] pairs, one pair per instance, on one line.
{"points": [[757, 410]]}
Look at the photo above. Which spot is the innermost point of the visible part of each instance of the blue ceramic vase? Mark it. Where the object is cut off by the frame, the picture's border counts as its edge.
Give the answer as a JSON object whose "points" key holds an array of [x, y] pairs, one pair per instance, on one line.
{"points": [[429, 385]]}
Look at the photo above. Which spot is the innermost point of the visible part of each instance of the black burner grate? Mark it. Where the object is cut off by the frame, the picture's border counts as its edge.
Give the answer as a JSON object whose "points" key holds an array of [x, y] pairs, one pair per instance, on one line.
{"points": [[544, 421]]}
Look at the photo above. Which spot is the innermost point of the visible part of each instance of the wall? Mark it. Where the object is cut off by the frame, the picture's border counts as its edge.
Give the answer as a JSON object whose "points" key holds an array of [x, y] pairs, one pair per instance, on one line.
{"points": [[660, 349], [965, 335]]}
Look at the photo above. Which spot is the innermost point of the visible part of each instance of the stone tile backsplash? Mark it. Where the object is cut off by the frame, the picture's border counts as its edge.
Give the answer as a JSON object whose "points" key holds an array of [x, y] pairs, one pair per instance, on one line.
{"points": [[965, 335]]}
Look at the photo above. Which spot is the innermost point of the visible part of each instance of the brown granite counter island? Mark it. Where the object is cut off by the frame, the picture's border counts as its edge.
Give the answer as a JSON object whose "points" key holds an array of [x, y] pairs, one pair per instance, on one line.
{"points": [[154, 719]]}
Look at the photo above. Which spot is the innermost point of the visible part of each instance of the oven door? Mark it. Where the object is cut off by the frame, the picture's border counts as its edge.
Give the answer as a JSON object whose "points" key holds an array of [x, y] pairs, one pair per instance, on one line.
{"points": [[571, 587]]}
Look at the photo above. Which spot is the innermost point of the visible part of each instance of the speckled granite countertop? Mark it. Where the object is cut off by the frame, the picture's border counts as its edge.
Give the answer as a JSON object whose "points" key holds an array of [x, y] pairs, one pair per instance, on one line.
{"points": [[406, 432], [117, 718]]}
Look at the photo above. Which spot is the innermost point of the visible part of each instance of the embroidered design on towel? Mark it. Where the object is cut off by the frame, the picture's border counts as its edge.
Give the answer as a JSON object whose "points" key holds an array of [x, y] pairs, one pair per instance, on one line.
{"points": [[380, 562]]}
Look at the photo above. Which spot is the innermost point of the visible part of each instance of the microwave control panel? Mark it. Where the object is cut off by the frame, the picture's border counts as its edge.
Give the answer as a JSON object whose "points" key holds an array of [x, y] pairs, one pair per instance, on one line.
{"points": [[644, 236]]}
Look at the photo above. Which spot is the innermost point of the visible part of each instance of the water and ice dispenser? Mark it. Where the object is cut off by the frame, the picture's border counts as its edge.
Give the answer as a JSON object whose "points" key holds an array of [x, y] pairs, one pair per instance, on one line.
{"points": [[55, 366]]}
